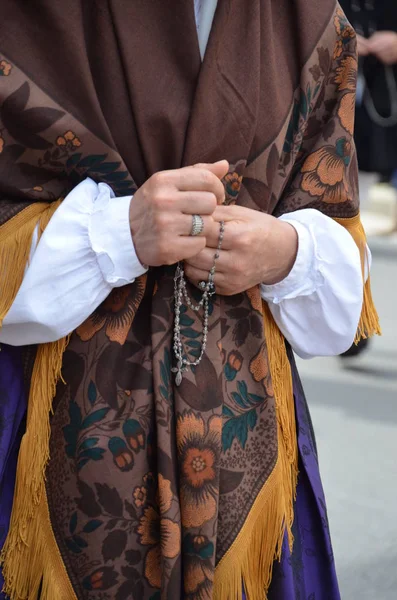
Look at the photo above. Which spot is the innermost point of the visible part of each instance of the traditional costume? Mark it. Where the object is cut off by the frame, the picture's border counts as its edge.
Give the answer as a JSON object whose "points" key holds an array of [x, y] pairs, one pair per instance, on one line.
{"points": [[127, 485]]}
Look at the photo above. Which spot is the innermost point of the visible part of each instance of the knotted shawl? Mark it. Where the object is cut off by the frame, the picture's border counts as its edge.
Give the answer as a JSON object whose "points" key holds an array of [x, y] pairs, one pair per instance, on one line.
{"points": [[128, 487]]}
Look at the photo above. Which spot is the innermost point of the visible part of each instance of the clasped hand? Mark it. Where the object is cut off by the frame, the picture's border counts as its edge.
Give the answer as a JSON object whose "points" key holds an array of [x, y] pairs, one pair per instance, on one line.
{"points": [[382, 44], [257, 248]]}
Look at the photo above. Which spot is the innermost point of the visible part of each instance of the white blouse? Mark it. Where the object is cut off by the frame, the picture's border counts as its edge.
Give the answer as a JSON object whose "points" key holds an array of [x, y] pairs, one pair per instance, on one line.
{"points": [[87, 250]]}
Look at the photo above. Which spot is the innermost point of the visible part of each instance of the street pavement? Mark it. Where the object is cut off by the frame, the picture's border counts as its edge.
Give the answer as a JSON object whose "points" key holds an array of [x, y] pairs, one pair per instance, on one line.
{"points": [[354, 409]]}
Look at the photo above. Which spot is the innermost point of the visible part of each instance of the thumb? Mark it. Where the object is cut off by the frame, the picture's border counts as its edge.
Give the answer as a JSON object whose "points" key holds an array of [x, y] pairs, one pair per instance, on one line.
{"points": [[219, 168]]}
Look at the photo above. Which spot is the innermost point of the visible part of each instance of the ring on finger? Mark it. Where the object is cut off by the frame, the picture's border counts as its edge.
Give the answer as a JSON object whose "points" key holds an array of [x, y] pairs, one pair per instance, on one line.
{"points": [[197, 225]]}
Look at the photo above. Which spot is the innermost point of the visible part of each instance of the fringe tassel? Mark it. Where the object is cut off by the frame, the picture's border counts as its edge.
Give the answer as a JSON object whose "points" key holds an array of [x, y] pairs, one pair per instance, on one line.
{"points": [[42, 570], [249, 561], [369, 321], [23, 569], [15, 243]]}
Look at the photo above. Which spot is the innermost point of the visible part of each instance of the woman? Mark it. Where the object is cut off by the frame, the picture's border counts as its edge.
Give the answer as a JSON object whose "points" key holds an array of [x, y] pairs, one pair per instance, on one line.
{"points": [[179, 209]]}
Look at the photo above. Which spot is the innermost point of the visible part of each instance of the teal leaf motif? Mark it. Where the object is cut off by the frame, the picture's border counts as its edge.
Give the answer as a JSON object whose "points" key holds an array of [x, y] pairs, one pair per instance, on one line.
{"points": [[190, 333], [237, 428], [73, 160], [73, 523], [117, 176], [82, 463], [91, 161], [72, 546], [303, 105], [107, 167], [92, 453], [92, 525], [243, 389], [186, 321], [227, 412], [193, 344], [195, 352], [164, 392], [95, 417], [230, 373], [88, 443], [79, 541], [239, 400], [92, 393]]}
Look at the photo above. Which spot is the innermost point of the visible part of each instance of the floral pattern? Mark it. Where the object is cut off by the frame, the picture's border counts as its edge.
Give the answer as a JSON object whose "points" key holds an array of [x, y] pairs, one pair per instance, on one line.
{"points": [[148, 483], [198, 446], [116, 314], [232, 183], [5, 68], [325, 172], [346, 79], [69, 141]]}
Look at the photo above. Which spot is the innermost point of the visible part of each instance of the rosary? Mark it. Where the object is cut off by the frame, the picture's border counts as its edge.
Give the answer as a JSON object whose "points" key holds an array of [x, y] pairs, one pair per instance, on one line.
{"points": [[181, 295]]}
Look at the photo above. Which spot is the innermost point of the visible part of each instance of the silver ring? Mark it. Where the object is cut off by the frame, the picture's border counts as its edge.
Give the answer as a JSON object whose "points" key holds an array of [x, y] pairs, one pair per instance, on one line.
{"points": [[202, 285], [197, 225]]}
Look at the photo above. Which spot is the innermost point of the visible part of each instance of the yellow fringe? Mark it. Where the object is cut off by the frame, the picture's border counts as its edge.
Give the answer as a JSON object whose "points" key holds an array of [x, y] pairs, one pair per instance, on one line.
{"points": [[15, 242], [23, 569], [249, 561], [369, 322], [42, 568]]}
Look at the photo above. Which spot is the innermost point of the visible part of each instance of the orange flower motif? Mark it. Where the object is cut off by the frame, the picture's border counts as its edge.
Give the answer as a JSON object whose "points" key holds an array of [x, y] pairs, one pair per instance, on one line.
{"points": [[346, 74], [116, 314], [338, 49], [5, 68], [255, 298], [69, 139], [232, 182], [324, 172], [1, 144], [260, 371], [346, 80], [199, 449], [235, 360], [164, 538], [199, 568], [165, 495], [338, 20], [140, 495]]}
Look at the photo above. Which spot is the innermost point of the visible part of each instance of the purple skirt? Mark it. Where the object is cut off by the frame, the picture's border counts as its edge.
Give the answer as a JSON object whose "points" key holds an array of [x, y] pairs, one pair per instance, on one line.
{"points": [[12, 414], [306, 574]]}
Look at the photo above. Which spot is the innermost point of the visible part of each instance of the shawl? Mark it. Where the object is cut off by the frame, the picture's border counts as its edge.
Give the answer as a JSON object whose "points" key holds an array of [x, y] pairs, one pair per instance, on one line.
{"points": [[128, 487]]}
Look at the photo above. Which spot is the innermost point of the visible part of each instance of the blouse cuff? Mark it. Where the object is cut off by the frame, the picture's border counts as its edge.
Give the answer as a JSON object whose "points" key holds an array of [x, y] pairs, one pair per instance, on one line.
{"points": [[110, 238], [306, 276]]}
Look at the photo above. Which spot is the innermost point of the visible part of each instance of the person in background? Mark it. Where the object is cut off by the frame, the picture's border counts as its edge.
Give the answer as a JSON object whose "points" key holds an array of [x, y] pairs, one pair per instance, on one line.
{"points": [[375, 22]]}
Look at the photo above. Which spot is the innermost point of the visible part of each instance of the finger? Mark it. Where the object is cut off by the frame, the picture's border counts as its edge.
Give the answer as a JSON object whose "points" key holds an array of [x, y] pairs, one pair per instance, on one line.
{"points": [[220, 168], [213, 232], [187, 247], [184, 224], [196, 179], [196, 203], [195, 276], [205, 260]]}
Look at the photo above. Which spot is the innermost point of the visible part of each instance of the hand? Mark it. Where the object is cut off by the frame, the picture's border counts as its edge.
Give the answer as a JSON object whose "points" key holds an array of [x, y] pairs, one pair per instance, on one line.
{"points": [[362, 46], [383, 44], [257, 248], [161, 212]]}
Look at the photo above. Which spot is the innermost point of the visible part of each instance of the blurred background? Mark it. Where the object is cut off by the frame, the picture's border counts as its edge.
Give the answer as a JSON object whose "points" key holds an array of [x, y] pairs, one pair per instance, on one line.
{"points": [[353, 400]]}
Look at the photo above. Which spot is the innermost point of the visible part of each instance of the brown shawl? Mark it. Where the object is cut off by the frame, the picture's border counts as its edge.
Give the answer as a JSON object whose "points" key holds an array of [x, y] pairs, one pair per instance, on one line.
{"points": [[154, 491]]}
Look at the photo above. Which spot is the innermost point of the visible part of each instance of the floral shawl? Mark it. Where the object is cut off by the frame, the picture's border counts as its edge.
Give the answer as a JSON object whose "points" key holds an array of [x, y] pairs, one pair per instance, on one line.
{"points": [[128, 487]]}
